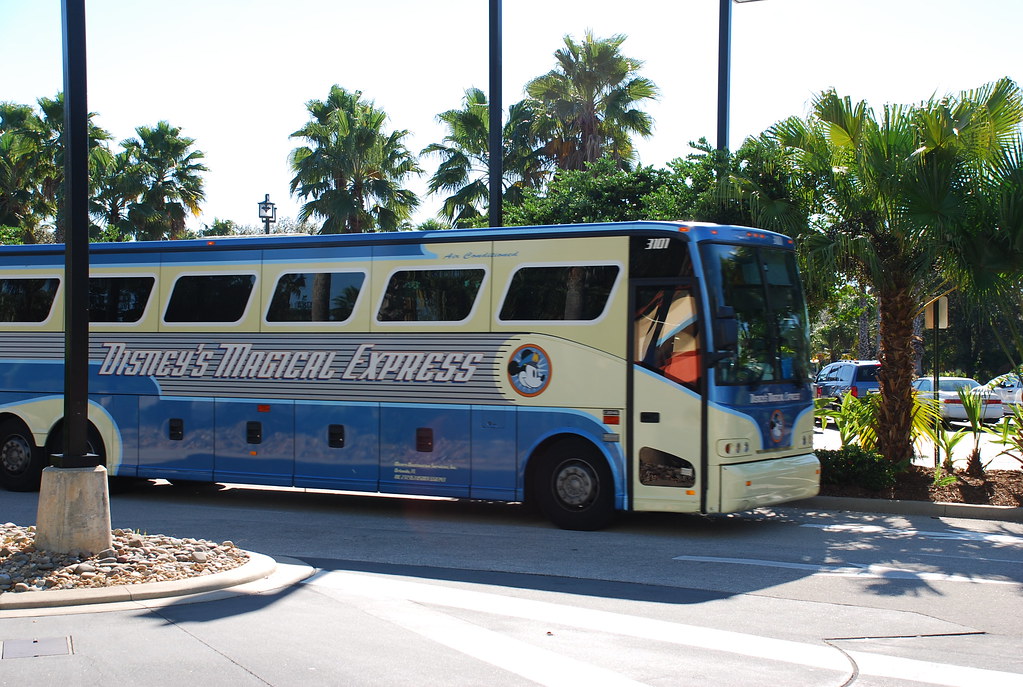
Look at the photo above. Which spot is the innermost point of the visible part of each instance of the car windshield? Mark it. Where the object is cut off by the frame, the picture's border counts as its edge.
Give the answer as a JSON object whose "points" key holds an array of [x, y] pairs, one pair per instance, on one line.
{"points": [[762, 286]]}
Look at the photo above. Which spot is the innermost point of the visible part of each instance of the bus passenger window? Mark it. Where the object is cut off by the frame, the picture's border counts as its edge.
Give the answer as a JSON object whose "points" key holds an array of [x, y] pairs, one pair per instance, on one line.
{"points": [[26, 300], [209, 298], [559, 293], [315, 297], [666, 334], [430, 295], [118, 299]]}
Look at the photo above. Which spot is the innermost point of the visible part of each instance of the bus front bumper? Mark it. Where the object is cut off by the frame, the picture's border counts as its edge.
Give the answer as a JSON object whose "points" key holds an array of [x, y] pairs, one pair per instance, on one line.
{"points": [[751, 485]]}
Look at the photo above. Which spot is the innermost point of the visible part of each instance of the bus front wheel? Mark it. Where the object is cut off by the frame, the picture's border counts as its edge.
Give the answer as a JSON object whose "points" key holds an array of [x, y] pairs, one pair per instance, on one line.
{"points": [[574, 487], [21, 462]]}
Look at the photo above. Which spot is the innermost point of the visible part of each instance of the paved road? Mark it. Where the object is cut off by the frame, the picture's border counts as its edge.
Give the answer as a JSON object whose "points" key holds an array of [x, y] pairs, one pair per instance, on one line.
{"points": [[413, 592]]}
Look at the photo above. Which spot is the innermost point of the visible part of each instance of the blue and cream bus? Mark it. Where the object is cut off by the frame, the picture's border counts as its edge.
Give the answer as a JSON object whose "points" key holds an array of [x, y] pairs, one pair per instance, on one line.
{"points": [[639, 366]]}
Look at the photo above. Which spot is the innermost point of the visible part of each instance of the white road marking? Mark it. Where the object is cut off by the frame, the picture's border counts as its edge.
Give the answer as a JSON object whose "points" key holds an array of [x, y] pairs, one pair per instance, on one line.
{"points": [[908, 532], [871, 570], [539, 665], [879, 665], [475, 640]]}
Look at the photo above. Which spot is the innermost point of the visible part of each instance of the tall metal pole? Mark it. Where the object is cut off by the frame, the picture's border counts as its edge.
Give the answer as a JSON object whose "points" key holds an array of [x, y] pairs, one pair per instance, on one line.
{"points": [[496, 147], [938, 419], [76, 256], [724, 56]]}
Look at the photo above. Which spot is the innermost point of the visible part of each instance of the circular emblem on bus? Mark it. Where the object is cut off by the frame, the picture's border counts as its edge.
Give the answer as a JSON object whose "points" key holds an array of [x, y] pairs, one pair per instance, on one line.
{"points": [[529, 370], [777, 426]]}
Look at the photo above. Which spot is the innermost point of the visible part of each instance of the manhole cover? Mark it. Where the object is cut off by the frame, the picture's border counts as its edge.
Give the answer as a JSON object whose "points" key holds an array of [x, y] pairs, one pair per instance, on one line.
{"points": [[30, 648]]}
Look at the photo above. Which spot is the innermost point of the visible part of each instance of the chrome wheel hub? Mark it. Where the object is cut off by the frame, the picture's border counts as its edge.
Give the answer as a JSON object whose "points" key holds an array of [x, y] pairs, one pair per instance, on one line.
{"points": [[576, 485], [15, 455]]}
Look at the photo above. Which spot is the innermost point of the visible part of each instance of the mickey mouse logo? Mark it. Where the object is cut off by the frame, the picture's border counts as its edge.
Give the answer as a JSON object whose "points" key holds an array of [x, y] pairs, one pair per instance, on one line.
{"points": [[529, 370], [777, 426]]}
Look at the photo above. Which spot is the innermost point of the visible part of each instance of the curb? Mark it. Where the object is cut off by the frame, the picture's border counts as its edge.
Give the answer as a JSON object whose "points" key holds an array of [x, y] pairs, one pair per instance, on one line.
{"points": [[926, 508], [258, 567]]}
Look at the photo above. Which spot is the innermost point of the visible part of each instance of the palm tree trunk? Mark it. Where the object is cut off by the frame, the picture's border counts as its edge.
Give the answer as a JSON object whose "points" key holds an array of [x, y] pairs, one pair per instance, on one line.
{"points": [[574, 296], [863, 340], [897, 307], [321, 296]]}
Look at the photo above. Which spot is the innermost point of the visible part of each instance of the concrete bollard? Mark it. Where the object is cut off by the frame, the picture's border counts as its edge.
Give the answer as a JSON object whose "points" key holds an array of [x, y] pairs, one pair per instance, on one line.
{"points": [[74, 511]]}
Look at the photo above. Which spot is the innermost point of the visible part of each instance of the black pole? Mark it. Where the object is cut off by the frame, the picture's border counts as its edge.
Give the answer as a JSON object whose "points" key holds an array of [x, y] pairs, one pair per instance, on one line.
{"points": [[496, 148], [76, 248], [724, 51], [937, 421]]}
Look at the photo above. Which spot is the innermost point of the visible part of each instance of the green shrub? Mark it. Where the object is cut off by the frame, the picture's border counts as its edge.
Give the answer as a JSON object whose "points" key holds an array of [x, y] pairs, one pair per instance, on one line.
{"points": [[854, 466]]}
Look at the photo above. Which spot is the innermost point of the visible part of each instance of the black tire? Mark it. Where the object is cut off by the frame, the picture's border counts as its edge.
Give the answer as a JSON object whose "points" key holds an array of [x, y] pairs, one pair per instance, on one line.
{"points": [[21, 461], [573, 486]]}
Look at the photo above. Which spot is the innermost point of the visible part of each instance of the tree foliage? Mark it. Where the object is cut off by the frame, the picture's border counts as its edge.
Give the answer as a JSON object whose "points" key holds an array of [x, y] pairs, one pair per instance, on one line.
{"points": [[350, 172], [910, 200], [144, 190], [162, 177], [589, 103], [602, 192], [464, 169]]}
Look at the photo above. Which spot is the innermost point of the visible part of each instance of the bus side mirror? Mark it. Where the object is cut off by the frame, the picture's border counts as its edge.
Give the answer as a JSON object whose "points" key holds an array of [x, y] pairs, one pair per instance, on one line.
{"points": [[726, 329]]}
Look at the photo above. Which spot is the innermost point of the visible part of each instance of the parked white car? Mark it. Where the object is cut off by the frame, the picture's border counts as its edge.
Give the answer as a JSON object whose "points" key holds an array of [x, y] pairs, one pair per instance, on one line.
{"points": [[1009, 388], [952, 405]]}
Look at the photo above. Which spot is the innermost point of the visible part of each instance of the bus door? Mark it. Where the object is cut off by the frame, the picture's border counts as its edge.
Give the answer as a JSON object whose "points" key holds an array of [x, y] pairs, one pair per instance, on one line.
{"points": [[665, 403]]}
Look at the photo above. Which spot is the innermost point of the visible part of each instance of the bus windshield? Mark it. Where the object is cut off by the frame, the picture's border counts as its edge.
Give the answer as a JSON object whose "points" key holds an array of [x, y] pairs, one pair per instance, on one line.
{"points": [[762, 286]]}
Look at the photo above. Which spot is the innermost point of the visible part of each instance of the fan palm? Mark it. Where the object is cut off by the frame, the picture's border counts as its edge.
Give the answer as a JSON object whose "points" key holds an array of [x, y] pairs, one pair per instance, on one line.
{"points": [[464, 170], [33, 161], [351, 170], [120, 183], [589, 102], [167, 170], [903, 197]]}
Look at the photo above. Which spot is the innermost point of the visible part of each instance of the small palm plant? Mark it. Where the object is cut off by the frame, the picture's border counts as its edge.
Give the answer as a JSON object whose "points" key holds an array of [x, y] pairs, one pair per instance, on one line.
{"points": [[851, 418], [856, 419], [1009, 433], [947, 441], [973, 406]]}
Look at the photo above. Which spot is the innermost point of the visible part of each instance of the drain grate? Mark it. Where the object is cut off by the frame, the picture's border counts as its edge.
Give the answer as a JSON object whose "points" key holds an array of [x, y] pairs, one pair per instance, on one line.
{"points": [[33, 648]]}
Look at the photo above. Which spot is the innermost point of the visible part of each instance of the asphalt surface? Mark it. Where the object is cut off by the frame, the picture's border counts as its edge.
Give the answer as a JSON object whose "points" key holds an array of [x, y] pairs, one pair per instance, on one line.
{"points": [[322, 611]]}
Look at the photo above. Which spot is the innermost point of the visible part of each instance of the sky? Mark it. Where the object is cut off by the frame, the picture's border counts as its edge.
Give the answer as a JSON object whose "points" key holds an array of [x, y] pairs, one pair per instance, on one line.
{"points": [[236, 75]]}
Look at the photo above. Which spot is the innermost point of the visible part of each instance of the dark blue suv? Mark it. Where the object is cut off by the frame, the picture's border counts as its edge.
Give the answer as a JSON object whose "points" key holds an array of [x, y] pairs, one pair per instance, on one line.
{"points": [[856, 377]]}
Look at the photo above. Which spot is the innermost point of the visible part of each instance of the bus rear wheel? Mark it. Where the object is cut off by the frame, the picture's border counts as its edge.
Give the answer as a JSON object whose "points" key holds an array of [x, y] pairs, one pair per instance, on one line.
{"points": [[21, 462], [574, 487]]}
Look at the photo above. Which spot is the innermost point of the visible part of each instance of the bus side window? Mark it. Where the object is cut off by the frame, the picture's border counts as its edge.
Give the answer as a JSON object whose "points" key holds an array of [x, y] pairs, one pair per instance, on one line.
{"points": [[667, 337], [26, 300]]}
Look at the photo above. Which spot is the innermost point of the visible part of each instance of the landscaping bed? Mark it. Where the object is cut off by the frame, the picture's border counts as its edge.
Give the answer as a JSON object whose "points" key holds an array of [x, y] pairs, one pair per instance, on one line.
{"points": [[995, 488]]}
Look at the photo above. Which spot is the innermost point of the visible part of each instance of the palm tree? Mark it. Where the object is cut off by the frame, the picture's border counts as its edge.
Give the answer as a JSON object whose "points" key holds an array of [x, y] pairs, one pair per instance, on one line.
{"points": [[162, 165], [464, 170], [16, 190], [905, 199], [120, 183], [351, 170], [590, 101], [33, 162]]}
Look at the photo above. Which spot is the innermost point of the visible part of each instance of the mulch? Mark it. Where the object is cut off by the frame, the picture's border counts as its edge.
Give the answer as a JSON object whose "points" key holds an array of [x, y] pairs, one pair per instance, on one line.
{"points": [[995, 488]]}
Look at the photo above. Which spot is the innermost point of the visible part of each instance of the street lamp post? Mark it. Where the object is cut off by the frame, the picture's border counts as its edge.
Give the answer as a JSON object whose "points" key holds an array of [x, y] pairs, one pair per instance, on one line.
{"points": [[724, 68], [495, 142], [267, 213]]}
